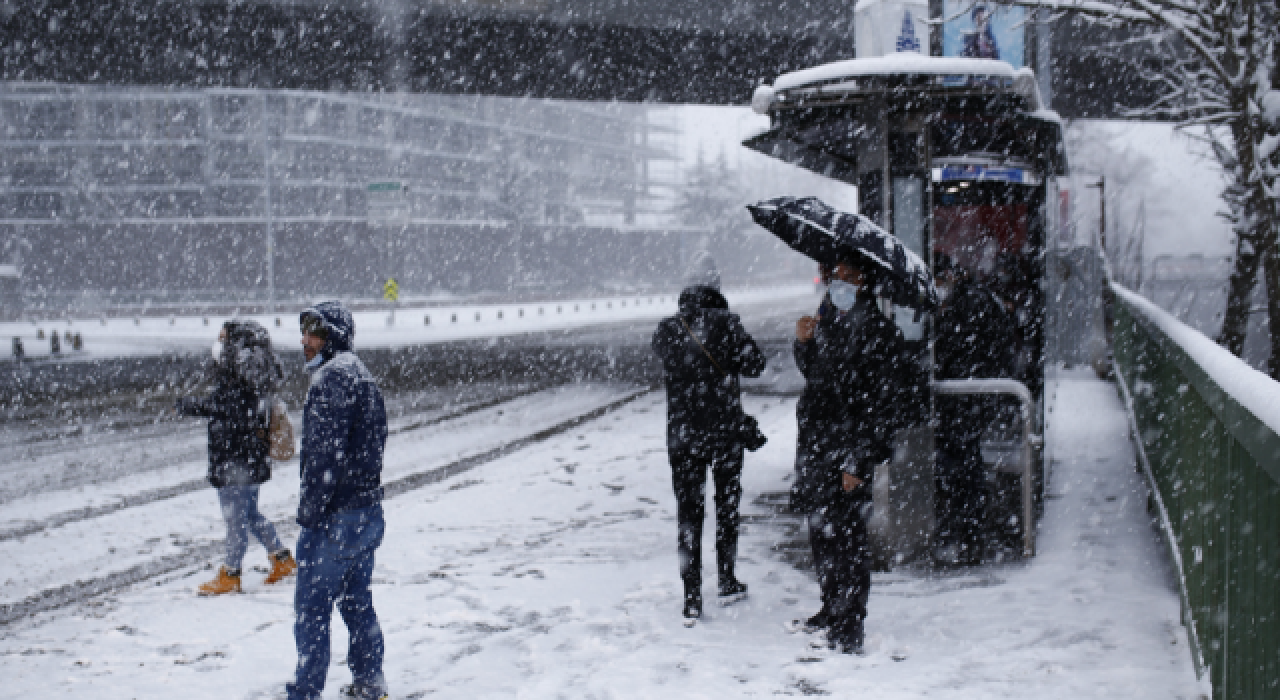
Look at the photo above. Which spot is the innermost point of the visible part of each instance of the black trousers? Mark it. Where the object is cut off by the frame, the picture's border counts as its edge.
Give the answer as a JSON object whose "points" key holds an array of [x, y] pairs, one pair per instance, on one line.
{"points": [[689, 467], [842, 559], [961, 501]]}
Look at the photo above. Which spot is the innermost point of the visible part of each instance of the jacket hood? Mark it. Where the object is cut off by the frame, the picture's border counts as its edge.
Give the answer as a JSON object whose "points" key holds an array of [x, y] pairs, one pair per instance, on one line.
{"points": [[339, 323], [699, 297], [247, 356]]}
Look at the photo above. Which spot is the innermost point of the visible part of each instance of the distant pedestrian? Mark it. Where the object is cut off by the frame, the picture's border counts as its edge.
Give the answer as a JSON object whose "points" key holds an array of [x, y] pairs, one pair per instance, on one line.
{"points": [[704, 349], [245, 372], [861, 385], [976, 338], [344, 433]]}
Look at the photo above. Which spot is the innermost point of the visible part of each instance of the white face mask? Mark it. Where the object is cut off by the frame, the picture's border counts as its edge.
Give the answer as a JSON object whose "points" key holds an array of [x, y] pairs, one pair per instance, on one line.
{"points": [[842, 294], [217, 350], [944, 292]]}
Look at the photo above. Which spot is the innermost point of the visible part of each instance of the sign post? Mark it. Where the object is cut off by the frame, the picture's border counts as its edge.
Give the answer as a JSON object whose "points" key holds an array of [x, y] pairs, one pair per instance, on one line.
{"points": [[388, 216]]}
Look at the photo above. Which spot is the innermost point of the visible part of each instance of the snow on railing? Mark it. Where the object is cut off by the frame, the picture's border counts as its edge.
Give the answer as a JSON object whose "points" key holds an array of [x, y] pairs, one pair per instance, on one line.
{"points": [[1207, 429]]}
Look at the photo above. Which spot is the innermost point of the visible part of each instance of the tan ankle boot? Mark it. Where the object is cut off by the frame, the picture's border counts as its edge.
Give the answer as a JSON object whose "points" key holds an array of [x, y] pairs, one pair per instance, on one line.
{"points": [[282, 566], [224, 582]]}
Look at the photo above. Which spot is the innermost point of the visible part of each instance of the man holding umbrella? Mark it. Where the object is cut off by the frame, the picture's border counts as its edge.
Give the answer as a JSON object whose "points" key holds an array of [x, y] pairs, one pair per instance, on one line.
{"points": [[861, 386]]}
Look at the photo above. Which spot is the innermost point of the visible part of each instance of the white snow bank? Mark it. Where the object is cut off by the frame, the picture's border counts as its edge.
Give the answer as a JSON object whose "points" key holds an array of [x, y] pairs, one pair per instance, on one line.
{"points": [[1255, 391], [127, 337]]}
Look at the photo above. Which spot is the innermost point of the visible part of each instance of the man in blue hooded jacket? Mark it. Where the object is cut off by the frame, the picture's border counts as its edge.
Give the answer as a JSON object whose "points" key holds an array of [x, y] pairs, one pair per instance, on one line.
{"points": [[344, 433]]}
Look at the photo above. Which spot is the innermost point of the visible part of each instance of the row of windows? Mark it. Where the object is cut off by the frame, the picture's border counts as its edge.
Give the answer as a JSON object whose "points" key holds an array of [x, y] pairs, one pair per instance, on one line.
{"points": [[128, 154]]}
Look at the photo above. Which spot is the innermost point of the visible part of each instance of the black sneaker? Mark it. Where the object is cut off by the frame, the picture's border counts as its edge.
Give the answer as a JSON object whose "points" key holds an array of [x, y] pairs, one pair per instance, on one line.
{"points": [[818, 622], [732, 592]]}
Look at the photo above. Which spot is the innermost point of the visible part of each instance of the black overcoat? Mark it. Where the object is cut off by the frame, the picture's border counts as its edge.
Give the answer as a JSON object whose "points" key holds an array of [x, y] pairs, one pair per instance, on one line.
{"points": [[237, 432], [862, 385], [704, 403]]}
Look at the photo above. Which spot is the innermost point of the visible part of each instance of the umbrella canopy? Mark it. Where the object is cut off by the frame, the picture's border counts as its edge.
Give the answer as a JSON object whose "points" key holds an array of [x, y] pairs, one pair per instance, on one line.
{"points": [[827, 235]]}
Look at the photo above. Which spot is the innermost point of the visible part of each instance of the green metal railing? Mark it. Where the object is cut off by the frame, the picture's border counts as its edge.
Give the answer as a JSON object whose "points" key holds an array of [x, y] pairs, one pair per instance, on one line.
{"points": [[1214, 469]]}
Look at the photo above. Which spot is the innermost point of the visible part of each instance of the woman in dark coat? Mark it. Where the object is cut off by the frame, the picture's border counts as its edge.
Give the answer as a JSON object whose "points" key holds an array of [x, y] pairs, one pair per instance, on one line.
{"points": [[244, 374], [861, 386], [704, 350]]}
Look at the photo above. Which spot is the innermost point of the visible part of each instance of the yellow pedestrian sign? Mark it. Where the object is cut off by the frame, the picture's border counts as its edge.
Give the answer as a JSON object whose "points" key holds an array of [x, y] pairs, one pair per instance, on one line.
{"points": [[391, 290]]}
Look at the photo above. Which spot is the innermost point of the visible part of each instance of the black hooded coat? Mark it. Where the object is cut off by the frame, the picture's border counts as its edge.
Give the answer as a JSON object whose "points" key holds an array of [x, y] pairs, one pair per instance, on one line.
{"points": [[243, 377], [861, 386], [703, 402]]}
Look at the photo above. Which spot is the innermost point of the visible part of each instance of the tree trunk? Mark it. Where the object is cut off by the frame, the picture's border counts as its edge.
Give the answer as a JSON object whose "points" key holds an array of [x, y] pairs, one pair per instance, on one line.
{"points": [[1253, 212], [1271, 272], [1235, 322]]}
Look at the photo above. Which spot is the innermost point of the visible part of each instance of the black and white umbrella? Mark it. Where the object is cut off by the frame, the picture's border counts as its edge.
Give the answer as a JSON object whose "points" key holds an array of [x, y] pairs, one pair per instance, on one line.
{"points": [[828, 235]]}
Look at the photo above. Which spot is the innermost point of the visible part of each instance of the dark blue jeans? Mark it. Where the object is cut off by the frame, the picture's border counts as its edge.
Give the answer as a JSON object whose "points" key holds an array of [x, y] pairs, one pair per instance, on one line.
{"points": [[335, 564]]}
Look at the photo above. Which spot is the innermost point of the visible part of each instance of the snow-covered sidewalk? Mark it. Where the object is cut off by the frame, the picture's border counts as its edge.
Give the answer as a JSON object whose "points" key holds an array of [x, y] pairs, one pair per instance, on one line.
{"points": [[552, 573]]}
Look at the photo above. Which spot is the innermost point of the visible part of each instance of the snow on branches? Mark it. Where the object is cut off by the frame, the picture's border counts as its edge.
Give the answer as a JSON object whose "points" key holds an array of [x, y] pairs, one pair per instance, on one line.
{"points": [[1215, 61]]}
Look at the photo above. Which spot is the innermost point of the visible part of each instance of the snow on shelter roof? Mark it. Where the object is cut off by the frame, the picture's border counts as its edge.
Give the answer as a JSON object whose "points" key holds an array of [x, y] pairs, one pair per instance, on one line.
{"points": [[893, 64]]}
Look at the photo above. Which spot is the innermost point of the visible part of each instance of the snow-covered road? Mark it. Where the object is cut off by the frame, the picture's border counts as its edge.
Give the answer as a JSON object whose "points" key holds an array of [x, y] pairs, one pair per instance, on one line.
{"points": [[551, 572]]}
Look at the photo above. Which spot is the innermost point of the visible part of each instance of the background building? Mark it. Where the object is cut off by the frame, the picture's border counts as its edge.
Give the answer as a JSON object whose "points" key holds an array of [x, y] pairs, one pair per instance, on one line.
{"points": [[113, 197]]}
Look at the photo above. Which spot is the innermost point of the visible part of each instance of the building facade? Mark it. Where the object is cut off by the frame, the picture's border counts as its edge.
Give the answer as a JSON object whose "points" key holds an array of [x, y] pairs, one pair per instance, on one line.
{"points": [[122, 196]]}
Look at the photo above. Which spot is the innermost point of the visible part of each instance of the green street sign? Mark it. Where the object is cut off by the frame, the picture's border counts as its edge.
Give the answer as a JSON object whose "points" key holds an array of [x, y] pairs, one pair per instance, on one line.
{"points": [[384, 187]]}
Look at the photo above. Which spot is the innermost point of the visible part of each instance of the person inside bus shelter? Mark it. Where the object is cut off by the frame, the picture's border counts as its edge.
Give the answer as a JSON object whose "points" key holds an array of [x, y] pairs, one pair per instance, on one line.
{"points": [[1015, 283], [974, 339]]}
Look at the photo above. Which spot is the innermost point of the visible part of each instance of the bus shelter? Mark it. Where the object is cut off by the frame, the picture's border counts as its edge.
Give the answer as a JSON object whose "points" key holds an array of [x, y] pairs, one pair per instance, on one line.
{"points": [[954, 156]]}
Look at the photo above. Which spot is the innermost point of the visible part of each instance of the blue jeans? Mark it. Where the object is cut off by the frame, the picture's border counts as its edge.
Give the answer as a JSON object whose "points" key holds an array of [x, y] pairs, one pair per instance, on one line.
{"points": [[240, 510], [335, 564]]}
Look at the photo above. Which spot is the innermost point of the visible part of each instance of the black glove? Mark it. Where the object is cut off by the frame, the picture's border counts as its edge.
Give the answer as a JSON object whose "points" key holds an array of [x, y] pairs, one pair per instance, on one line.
{"points": [[749, 433]]}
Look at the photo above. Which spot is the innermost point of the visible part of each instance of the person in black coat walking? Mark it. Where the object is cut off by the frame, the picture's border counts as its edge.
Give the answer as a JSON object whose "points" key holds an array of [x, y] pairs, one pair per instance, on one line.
{"points": [[704, 349], [861, 386], [244, 373], [975, 338]]}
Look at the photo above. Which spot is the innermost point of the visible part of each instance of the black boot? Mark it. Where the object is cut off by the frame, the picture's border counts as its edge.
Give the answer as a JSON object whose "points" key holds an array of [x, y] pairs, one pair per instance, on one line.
{"points": [[820, 621], [846, 638], [731, 591]]}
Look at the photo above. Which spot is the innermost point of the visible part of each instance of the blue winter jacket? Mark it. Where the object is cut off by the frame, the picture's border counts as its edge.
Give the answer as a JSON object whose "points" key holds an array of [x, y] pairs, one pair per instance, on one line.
{"points": [[344, 428]]}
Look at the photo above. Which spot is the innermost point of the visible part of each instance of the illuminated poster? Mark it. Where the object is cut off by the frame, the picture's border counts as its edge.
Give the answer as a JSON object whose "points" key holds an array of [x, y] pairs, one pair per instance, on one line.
{"points": [[984, 30]]}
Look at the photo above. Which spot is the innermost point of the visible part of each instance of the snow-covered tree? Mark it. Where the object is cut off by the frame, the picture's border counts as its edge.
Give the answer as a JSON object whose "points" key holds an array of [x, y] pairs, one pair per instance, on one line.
{"points": [[712, 197], [1216, 67]]}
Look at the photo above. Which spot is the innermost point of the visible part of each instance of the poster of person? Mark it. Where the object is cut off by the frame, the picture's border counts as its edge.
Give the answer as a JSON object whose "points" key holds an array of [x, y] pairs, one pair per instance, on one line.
{"points": [[984, 30]]}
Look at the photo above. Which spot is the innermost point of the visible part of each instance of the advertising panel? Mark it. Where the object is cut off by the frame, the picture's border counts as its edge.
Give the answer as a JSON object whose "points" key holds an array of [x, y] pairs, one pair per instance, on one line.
{"points": [[891, 26], [984, 30]]}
